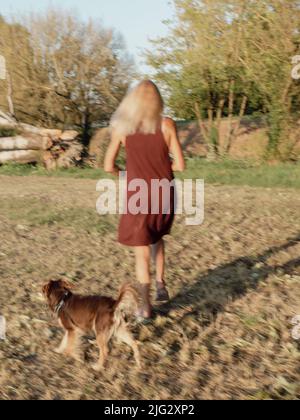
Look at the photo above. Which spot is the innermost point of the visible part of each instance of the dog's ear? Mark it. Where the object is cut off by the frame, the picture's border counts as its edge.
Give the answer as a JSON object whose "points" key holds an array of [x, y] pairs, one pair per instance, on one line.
{"points": [[46, 289], [67, 285]]}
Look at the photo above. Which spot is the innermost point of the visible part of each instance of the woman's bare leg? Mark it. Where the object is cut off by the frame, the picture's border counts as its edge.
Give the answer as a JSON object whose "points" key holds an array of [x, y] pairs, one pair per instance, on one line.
{"points": [[143, 257], [158, 253]]}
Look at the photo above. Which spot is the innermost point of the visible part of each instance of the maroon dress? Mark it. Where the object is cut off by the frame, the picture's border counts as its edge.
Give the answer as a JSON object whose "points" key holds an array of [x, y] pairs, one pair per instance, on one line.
{"points": [[148, 160]]}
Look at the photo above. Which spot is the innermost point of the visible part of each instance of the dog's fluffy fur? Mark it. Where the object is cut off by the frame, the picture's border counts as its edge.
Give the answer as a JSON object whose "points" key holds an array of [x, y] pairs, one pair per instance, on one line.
{"points": [[83, 314]]}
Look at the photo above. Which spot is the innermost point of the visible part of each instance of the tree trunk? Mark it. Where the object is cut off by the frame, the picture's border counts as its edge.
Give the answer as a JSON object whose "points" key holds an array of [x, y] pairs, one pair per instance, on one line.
{"points": [[86, 130], [201, 124], [235, 131], [10, 95], [207, 132], [230, 116], [277, 126], [24, 143], [21, 156], [218, 123], [52, 133]]}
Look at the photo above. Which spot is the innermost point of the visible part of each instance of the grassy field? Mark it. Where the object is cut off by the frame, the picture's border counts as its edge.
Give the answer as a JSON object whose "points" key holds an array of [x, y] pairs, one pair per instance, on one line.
{"points": [[284, 175], [234, 283]]}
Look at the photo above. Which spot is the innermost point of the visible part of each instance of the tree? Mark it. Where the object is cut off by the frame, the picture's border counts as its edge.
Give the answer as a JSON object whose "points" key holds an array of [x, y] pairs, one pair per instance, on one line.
{"points": [[87, 66], [272, 39], [15, 95], [199, 64], [220, 60], [76, 72]]}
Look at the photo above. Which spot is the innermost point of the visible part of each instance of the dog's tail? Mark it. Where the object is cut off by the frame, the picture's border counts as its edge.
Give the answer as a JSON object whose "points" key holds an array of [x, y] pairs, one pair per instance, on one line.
{"points": [[127, 302]]}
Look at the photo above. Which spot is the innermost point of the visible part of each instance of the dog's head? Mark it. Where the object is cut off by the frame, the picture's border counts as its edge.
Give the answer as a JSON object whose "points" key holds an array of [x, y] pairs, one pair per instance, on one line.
{"points": [[54, 289]]}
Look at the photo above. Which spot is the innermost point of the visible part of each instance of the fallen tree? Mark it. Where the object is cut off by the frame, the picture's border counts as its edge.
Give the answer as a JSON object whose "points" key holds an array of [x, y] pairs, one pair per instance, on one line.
{"points": [[21, 156], [28, 129], [70, 156], [52, 147], [25, 143]]}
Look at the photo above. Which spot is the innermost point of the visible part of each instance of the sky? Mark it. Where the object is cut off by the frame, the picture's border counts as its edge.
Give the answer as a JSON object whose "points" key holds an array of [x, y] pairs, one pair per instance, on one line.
{"points": [[137, 20]]}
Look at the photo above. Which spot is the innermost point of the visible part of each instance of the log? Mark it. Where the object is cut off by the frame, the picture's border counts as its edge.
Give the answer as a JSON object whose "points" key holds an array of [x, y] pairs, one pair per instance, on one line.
{"points": [[54, 134], [25, 143], [20, 156], [43, 132], [69, 135], [53, 148], [7, 121], [71, 156], [49, 161]]}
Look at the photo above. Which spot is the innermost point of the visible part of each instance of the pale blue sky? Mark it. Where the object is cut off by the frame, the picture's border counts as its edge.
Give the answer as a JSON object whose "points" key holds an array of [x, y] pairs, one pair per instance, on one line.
{"points": [[137, 20]]}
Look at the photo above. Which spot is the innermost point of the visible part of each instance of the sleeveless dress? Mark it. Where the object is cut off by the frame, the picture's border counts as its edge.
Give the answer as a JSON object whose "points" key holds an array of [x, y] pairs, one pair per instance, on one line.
{"points": [[147, 160]]}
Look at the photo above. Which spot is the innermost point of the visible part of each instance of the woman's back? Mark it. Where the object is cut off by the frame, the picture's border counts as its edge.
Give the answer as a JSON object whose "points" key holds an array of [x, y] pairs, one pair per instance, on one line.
{"points": [[148, 157], [147, 160]]}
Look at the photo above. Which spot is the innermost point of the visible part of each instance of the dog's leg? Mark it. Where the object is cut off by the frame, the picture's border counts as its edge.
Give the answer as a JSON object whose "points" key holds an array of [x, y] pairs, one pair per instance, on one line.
{"points": [[125, 336], [69, 344], [102, 341], [62, 348], [73, 344]]}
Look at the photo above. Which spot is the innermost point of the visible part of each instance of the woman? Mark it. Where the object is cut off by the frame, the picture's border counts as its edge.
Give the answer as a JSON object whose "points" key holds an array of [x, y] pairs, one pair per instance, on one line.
{"points": [[149, 139]]}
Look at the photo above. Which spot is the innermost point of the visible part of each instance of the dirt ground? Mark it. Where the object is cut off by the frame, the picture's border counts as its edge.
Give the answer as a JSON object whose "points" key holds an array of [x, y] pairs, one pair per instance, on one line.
{"points": [[226, 333]]}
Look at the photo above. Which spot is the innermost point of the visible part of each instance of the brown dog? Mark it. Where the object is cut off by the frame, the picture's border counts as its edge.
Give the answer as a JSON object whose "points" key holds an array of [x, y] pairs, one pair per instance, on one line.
{"points": [[103, 315]]}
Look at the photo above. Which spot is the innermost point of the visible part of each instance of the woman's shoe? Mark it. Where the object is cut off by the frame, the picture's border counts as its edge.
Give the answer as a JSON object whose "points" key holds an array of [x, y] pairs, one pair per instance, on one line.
{"points": [[162, 294]]}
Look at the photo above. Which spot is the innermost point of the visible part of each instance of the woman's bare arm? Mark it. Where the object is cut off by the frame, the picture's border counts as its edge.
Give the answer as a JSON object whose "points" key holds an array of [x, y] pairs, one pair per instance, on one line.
{"points": [[111, 155], [170, 132]]}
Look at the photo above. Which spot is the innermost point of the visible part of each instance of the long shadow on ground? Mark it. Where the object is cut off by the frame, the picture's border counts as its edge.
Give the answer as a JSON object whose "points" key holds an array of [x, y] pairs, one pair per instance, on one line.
{"points": [[211, 292]]}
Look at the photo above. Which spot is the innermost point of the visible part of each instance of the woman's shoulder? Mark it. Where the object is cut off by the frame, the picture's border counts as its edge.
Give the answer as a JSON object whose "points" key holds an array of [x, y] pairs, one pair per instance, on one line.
{"points": [[168, 123], [168, 128]]}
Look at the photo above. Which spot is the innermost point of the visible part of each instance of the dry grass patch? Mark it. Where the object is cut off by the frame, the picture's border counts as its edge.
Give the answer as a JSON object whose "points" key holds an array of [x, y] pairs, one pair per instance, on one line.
{"points": [[226, 332]]}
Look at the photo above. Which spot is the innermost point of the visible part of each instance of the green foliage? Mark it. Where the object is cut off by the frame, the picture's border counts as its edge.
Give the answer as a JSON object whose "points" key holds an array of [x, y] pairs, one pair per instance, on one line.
{"points": [[223, 172], [35, 212], [276, 122], [14, 169], [228, 172], [218, 53], [8, 131], [201, 55]]}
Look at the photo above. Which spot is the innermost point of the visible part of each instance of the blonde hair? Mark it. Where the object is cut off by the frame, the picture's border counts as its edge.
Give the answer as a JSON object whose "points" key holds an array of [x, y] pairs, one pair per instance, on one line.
{"points": [[140, 111]]}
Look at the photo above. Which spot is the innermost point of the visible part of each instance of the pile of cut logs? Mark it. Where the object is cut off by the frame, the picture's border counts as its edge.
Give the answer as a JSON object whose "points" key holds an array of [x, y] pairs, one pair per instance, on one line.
{"points": [[52, 148]]}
